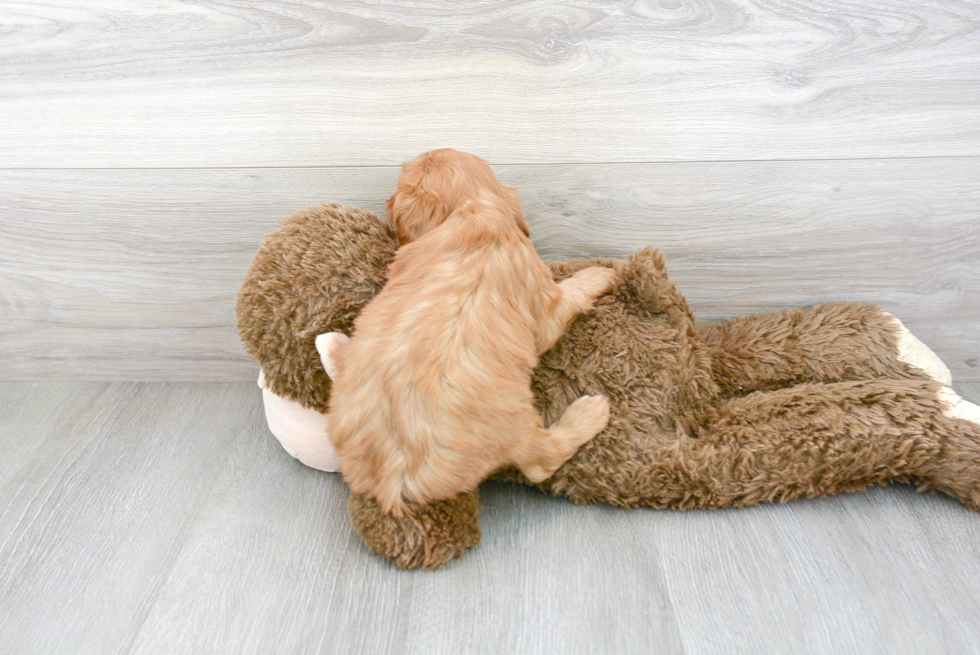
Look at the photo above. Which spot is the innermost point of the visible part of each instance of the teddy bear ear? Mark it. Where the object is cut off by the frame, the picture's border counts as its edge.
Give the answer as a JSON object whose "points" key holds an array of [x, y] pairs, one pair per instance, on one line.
{"points": [[328, 345], [645, 274], [415, 208]]}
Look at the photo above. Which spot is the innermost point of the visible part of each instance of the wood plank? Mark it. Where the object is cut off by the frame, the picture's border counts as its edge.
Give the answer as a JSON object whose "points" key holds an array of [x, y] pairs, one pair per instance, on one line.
{"points": [[230, 83], [885, 570], [882, 571], [132, 274], [272, 564], [98, 509], [165, 518], [29, 414]]}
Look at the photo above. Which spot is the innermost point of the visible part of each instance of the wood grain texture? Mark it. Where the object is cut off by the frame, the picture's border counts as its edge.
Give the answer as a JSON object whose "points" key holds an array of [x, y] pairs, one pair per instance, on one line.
{"points": [[165, 518], [99, 506], [303, 82], [132, 274]]}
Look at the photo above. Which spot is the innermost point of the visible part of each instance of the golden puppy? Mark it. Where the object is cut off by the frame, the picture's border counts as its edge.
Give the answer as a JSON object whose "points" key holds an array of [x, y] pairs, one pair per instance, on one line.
{"points": [[432, 393]]}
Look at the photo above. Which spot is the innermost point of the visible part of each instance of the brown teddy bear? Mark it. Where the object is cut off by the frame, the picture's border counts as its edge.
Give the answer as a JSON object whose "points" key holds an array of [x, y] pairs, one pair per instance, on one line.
{"points": [[804, 403]]}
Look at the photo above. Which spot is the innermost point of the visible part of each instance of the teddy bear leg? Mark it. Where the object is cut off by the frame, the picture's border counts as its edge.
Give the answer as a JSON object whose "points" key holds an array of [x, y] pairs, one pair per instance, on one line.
{"points": [[818, 439], [425, 536], [828, 343], [956, 470]]}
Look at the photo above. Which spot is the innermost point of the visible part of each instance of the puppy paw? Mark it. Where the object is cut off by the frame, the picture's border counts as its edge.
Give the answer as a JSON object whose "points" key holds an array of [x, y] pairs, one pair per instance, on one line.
{"points": [[585, 418], [585, 286], [595, 281], [328, 345], [913, 352]]}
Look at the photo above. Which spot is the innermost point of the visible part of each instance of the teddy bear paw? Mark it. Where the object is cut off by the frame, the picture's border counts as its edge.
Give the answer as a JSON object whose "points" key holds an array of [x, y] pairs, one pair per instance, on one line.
{"points": [[427, 536], [913, 352], [956, 407]]}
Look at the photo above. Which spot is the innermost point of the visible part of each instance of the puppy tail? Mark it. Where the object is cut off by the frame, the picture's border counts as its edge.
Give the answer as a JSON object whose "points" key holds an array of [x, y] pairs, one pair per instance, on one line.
{"points": [[391, 502]]}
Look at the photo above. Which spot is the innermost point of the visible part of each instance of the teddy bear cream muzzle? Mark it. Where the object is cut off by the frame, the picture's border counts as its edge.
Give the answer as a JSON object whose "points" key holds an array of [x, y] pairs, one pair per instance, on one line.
{"points": [[303, 432]]}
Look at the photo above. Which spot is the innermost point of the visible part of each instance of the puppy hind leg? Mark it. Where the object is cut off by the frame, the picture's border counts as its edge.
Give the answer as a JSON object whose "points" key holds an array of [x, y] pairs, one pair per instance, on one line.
{"points": [[548, 448]]}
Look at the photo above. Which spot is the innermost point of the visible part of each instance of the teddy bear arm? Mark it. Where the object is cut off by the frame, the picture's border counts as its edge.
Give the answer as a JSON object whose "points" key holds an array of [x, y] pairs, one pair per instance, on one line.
{"points": [[426, 536], [827, 343], [819, 439]]}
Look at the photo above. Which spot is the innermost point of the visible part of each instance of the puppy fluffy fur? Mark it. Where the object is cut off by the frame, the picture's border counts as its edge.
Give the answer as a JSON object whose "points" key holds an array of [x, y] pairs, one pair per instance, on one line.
{"points": [[432, 394]]}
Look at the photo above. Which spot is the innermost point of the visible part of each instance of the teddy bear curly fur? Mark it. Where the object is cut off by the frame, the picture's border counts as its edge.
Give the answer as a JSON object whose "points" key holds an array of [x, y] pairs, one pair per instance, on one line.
{"points": [[802, 403]]}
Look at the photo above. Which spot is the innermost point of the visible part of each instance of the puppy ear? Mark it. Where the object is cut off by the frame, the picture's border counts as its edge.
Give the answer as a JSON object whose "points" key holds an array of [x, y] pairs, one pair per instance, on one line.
{"points": [[416, 208], [514, 201], [389, 208]]}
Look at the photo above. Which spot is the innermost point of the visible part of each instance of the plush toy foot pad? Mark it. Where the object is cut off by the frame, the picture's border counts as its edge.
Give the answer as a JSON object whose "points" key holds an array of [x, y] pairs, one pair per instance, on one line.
{"points": [[957, 407], [915, 353]]}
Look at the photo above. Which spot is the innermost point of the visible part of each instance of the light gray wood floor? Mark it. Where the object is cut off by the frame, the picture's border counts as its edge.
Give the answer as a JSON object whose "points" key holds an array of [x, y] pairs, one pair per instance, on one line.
{"points": [[164, 518]]}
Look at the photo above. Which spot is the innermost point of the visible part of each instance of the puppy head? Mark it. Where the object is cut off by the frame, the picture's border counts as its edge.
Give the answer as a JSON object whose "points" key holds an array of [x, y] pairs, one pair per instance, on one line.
{"points": [[434, 185]]}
